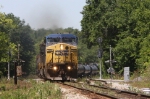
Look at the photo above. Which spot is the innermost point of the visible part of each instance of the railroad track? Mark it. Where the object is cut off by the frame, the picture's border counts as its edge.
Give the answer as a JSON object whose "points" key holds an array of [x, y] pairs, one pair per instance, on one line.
{"points": [[81, 87], [122, 93], [107, 92]]}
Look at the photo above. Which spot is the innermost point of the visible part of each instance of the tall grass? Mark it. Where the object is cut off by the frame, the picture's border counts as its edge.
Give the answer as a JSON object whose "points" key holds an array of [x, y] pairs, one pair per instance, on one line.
{"points": [[29, 89], [141, 80]]}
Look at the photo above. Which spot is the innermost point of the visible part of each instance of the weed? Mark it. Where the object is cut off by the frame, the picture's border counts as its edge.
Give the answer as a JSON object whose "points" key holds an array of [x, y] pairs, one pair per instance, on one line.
{"points": [[2, 88], [29, 89]]}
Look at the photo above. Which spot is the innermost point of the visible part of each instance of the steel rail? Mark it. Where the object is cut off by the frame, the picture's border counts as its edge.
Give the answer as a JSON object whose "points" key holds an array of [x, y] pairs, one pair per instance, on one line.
{"points": [[139, 95], [101, 94]]}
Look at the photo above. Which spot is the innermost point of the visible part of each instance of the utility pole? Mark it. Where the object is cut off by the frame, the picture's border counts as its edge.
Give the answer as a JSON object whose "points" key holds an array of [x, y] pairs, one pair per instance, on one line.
{"points": [[110, 61], [18, 67], [18, 52], [15, 76], [100, 52], [16, 64], [8, 67]]}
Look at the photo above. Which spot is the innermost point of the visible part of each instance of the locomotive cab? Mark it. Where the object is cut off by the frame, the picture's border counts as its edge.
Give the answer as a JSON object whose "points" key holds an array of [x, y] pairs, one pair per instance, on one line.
{"points": [[59, 57]]}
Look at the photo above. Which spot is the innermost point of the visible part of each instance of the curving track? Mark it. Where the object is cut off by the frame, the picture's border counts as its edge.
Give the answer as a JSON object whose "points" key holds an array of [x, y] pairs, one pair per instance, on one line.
{"points": [[108, 92]]}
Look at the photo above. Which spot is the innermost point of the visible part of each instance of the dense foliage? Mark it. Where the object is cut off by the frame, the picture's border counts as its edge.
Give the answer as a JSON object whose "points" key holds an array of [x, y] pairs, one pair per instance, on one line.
{"points": [[6, 26], [124, 24], [13, 32]]}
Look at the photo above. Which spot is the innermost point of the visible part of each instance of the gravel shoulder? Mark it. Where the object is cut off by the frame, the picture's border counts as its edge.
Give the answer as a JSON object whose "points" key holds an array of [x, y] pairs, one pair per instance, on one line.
{"points": [[72, 93]]}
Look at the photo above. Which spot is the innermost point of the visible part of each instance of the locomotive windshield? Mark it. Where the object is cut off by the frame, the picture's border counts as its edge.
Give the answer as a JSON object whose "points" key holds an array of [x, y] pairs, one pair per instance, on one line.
{"points": [[72, 41], [53, 40], [68, 40], [61, 38]]}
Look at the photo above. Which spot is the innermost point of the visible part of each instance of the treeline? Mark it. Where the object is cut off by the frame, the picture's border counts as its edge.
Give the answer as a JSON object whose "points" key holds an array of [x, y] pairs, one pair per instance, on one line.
{"points": [[123, 24], [14, 31]]}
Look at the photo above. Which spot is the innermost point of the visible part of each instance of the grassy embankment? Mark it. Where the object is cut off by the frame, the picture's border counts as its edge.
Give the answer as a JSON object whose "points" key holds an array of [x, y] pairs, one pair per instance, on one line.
{"points": [[28, 89]]}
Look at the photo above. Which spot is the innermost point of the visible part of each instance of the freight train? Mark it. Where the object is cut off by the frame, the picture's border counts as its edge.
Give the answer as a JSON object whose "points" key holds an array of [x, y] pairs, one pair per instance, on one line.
{"points": [[58, 58], [87, 70]]}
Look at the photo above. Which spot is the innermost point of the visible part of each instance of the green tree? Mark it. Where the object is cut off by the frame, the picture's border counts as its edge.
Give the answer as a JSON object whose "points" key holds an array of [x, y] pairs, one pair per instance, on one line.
{"points": [[121, 23], [132, 30], [22, 34], [95, 24], [143, 60], [6, 26]]}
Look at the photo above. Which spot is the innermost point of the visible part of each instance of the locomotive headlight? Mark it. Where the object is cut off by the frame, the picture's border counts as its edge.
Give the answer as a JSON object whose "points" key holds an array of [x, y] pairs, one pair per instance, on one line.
{"points": [[61, 47], [55, 68], [69, 67]]}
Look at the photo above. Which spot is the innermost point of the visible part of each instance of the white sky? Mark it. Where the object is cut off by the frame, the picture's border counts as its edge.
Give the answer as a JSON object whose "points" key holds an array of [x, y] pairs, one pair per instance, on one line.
{"points": [[46, 13]]}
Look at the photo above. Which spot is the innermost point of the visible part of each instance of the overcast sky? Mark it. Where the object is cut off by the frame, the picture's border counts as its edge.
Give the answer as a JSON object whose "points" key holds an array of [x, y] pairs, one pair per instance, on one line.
{"points": [[46, 13]]}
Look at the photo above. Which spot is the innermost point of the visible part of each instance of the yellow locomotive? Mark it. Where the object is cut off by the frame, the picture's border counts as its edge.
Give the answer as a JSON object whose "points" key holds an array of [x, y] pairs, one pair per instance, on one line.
{"points": [[58, 57]]}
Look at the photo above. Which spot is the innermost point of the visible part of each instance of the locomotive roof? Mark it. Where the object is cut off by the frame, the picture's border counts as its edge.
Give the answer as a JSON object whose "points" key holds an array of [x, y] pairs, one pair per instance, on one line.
{"points": [[61, 35]]}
